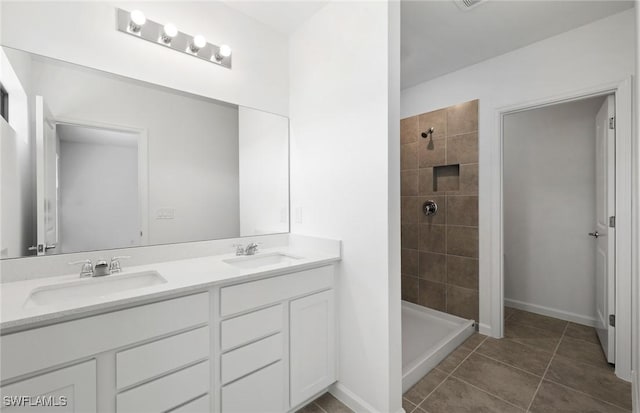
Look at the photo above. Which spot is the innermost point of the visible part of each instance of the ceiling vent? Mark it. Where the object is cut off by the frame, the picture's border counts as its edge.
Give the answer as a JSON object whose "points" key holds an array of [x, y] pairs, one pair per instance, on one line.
{"points": [[468, 4]]}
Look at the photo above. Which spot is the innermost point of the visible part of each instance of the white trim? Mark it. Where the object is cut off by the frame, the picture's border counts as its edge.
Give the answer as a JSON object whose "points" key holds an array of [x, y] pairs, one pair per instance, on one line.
{"points": [[143, 166], [551, 312], [623, 94], [351, 400]]}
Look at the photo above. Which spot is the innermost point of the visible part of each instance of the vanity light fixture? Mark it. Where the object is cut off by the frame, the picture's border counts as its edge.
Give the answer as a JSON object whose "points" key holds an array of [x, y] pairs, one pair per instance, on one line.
{"points": [[197, 43], [223, 51], [136, 24], [169, 31], [136, 21]]}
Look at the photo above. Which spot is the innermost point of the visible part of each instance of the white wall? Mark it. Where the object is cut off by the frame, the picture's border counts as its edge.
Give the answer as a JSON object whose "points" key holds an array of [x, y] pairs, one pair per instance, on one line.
{"points": [[192, 145], [345, 182], [549, 207], [263, 145], [98, 197], [17, 204], [85, 33], [592, 55], [635, 247]]}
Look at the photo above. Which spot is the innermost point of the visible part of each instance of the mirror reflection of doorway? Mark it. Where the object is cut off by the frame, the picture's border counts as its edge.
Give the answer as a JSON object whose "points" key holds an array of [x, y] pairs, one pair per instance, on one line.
{"points": [[98, 201]]}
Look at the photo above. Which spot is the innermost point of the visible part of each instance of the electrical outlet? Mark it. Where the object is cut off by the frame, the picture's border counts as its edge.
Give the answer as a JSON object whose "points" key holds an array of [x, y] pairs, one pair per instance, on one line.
{"points": [[166, 213]]}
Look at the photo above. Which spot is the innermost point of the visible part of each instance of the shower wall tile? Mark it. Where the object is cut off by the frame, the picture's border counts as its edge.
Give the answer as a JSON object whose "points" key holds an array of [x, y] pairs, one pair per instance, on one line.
{"points": [[425, 181], [409, 156], [462, 241], [409, 130], [462, 118], [410, 236], [410, 287], [433, 267], [462, 302], [410, 209], [468, 180], [409, 182], [462, 210], [461, 271], [433, 238], [439, 253], [462, 148], [431, 152], [432, 294], [409, 261], [436, 120]]}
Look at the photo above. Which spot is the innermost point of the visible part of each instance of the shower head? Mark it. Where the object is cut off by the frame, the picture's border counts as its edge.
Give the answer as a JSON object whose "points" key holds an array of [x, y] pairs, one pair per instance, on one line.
{"points": [[428, 133]]}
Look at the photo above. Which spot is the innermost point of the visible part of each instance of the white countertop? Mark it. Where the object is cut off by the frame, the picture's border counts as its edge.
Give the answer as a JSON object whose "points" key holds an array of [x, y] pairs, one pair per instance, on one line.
{"points": [[183, 276]]}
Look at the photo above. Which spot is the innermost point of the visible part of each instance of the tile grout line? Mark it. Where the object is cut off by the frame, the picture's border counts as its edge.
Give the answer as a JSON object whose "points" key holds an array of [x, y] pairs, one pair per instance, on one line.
{"points": [[490, 394], [588, 395], [548, 365], [509, 365], [449, 374], [319, 407]]}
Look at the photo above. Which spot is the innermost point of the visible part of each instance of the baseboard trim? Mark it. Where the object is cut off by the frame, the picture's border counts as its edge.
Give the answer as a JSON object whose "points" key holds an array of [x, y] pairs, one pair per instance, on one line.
{"points": [[551, 312], [635, 390], [485, 329], [353, 401]]}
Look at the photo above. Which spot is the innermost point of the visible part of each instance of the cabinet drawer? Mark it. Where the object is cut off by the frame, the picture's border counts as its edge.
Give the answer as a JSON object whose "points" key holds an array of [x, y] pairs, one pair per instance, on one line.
{"points": [[199, 405], [159, 357], [251, 357], [167, 392], [44, 347], [246, 328], [262, 391], [243, 297]]}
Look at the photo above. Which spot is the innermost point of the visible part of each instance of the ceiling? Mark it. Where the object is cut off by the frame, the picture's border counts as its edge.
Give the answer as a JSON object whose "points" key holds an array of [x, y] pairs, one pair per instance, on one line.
{"points": [[438, 37], [282, 16]]}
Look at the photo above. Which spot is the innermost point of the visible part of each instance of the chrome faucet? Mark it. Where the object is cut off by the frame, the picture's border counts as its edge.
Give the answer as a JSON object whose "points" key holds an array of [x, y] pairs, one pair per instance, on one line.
{"points": [[87, 268], [101, 268], [250, 249]]}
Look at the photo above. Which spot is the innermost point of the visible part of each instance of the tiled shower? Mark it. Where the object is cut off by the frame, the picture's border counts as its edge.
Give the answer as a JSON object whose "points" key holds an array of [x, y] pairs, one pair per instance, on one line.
{"points": [[440, 252]]}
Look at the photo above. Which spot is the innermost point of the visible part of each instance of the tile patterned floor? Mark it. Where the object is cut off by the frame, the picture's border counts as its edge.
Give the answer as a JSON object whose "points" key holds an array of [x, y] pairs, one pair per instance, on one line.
{"points": [[542, 365], [325, 404]]}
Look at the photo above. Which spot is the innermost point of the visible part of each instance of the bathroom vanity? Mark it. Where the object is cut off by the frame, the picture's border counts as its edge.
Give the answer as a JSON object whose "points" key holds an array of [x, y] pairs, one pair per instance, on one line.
{"points": [[221, 334]]}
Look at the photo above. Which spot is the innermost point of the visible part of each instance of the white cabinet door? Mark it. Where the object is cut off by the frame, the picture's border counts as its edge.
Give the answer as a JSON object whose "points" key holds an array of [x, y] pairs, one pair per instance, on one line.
{"points": [[312, 345], [70, 389]]}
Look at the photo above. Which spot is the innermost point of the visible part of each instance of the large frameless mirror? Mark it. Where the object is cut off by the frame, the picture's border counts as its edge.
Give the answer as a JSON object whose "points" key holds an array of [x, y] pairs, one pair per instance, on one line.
{"points": [[93, 161]]}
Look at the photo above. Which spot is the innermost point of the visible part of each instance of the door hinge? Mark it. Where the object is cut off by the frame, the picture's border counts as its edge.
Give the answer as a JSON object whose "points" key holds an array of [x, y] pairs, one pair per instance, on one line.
{"points": [[612, 222], [612, 320], [612, 122]]}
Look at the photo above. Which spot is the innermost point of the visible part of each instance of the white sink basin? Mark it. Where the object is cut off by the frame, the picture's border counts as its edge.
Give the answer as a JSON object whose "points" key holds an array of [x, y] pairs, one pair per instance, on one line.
{"points": [[92, 287], [261, 260]]}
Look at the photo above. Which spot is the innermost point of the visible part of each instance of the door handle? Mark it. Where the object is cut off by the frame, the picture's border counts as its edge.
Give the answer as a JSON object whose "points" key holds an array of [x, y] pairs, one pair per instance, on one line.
{"points": [[49, 247], [594, 234]]}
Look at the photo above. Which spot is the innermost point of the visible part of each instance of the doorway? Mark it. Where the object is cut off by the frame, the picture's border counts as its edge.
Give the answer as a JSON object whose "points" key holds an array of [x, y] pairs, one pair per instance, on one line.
{"points": [[558, 197], [620, 285]]}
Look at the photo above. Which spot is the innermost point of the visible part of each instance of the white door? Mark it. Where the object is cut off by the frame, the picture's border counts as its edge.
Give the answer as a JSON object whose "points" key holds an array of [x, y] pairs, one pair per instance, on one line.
{"points": [[604, 234], [47, 156], [67, 390], [311, 345]]}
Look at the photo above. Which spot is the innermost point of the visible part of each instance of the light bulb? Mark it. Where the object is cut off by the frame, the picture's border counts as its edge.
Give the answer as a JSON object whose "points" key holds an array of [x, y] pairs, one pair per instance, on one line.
{"points": [[170, 30], [199, 41], [137, 17], [225, 51]]}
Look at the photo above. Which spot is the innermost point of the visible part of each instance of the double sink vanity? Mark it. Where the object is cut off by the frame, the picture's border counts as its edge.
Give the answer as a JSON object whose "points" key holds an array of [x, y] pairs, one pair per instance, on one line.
{"points": [[221, 333]]}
